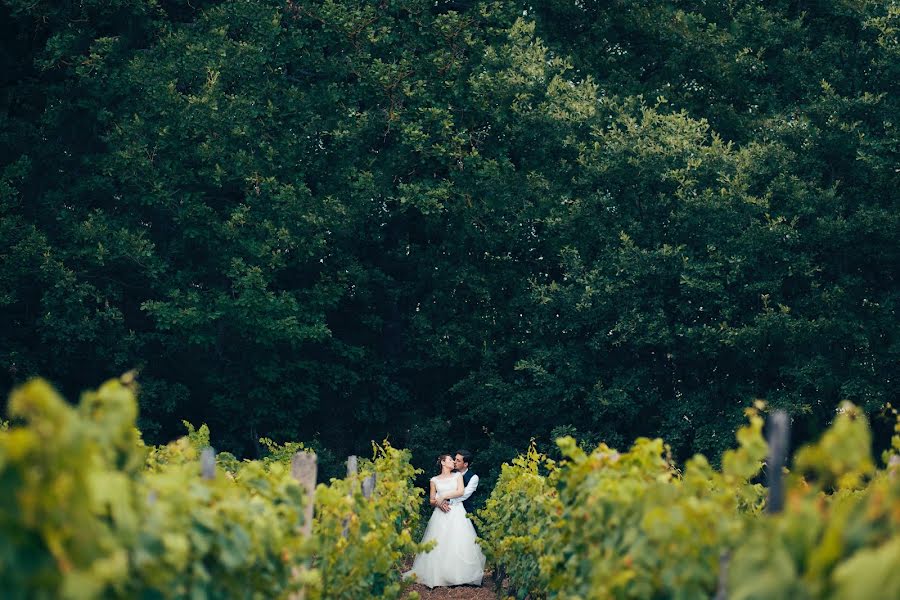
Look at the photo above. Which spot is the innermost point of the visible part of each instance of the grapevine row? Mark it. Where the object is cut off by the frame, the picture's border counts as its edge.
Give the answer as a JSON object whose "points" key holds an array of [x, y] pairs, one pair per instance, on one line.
{"points": [[607, 525], [89, 511]]}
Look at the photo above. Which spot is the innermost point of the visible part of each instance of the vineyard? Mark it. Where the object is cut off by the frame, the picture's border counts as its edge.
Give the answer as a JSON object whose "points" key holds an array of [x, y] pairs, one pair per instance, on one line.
{"points": [[637, 258], [610, 525], [90, 511]]}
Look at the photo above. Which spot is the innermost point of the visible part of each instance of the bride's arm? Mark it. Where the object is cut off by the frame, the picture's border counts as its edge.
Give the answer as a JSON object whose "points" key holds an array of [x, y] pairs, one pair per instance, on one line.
{"points": [[459, 491], [432, 497]]}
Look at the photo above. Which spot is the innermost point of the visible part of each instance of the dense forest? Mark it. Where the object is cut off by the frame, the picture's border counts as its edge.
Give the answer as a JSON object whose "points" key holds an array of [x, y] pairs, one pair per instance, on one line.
{"points": [[453, 223]]}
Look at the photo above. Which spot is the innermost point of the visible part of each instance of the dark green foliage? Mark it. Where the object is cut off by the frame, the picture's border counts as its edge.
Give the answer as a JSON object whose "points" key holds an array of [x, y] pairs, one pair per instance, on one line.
{"points": [[463, 223]]}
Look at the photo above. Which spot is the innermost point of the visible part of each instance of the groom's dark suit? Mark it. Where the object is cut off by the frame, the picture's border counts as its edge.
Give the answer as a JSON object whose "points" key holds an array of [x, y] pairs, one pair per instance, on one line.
{"points": [[467, 504]]}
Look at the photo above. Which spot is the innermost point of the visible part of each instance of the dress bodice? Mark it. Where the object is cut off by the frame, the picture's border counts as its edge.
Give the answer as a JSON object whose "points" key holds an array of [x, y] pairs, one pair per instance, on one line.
{"points": [[443, 486]]}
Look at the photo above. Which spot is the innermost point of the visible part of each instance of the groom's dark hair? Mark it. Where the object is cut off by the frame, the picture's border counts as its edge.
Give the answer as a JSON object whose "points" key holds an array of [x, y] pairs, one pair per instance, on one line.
{"points": [[466, 456]]}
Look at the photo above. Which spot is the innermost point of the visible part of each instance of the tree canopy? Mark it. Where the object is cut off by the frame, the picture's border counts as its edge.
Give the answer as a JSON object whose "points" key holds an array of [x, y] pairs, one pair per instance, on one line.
{"points": [[453, 223]]}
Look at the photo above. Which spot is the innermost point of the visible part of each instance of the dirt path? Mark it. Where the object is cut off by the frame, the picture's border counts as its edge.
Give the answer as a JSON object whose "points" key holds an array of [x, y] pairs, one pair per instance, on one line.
{"points": [[460, 592]]}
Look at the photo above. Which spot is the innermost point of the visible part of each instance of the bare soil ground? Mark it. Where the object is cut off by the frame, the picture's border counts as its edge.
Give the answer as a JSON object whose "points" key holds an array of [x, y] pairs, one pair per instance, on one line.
{"points": [[460, 592]]}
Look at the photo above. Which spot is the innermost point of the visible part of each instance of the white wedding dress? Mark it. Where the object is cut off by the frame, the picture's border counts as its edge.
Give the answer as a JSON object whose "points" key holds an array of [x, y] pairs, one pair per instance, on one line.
{"points": [[457, 558]]}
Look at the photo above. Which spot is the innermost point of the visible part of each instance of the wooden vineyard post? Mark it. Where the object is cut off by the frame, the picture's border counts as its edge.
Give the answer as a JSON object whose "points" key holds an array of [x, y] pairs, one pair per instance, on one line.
{"points": [[352, 471], [778, 447], [304, 470], [368, 486], [208, 464], [722, 589], [779, 434]]}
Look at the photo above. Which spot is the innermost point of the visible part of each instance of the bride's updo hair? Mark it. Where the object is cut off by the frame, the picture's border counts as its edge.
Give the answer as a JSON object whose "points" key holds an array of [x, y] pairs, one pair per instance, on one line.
{"points": [[440, 459]]}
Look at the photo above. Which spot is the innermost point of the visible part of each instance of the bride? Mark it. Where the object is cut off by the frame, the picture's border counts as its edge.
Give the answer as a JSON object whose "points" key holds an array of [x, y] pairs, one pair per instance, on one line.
{"points": [[457, 558]]}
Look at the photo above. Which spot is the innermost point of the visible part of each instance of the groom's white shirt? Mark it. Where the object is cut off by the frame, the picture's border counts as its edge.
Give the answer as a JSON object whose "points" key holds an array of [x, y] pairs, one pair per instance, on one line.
{"points": [[470, 488]]}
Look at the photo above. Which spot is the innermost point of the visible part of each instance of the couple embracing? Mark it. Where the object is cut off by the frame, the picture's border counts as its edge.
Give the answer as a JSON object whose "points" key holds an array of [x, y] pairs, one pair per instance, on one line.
{"points": [[457, 558]]}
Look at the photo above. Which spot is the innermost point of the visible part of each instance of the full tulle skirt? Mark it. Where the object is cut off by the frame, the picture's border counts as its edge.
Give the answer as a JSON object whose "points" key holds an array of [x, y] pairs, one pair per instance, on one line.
{"points": [[457, 558]]}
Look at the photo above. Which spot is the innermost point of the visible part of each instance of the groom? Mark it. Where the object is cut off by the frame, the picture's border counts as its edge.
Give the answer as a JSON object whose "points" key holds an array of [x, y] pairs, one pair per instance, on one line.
{"points": [[463, 459]]}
